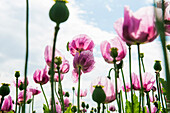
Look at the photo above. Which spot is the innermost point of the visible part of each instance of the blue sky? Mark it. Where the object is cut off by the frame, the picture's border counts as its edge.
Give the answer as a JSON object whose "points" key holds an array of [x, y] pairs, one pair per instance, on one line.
{"points": [[92, 17]]}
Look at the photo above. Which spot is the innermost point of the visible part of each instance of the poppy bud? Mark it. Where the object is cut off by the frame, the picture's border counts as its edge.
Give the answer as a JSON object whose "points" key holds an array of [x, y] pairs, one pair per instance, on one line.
{"points": [[73, 88], [141, 55], [4, 90], [98, 95], [29, 101], [17, 74], [66, 94], [83, 105], [21, 87], [87, 106], [157, 65], [114, 52], [74, 109], [59, 12]]}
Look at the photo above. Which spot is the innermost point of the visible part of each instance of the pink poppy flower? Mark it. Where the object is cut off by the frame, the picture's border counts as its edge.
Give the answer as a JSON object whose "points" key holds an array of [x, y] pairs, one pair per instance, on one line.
{"points": [[135, 82], [153, 109], [66, 102], [148, 81], [82, 93], [64, 67], [81, 43], [41, 76], [56, 77], [85, 60], [138, 27], [128, 88], [108, 88], [106, 46], [21, 96], [7, 104], [152, 99], [34, 91], [58, 108]]}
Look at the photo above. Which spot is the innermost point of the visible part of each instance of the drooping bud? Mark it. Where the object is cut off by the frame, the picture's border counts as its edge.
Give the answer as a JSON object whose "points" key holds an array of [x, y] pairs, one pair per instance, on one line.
{"points": [[4, 89], [141, 55], [153, 88], [98, 95], [17, 74], [114, 52], [59, 12], [157, 66]]}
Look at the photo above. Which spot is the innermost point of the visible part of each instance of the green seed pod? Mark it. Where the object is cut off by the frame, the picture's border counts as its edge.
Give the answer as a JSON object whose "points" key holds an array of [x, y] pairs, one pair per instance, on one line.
{"points": [[114, 52], [4, 89], [74, 109], [17, 74], [168, 47], [141, 55], [98, 95], [157, 66], [83, 105], [59, 12]]}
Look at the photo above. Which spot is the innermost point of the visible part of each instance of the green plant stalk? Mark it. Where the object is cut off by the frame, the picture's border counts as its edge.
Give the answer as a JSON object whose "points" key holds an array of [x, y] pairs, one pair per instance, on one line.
{"points": [[19, 108], [124, 83], [165, 101], [2, 99], [61, 90], [73, 97], [110, 72], [157, 83], [130, 75], [121, 98], [56, 93], [44, 96], [140, 74], [26, 56], [98, 107], [16, 94], [103, 108], [78, 95], [52, 68], [115, 69], [143, 64], [32, 103], [148, 102]]}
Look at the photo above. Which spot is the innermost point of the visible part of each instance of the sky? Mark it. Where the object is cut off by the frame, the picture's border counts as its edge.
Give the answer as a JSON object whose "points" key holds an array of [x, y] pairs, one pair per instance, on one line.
{"points": [[92, 17]]}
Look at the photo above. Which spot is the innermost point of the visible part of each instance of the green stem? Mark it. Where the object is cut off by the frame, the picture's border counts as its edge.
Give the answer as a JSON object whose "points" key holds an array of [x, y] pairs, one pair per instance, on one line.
{"points": [[115, 69], [140, 74], [148, 101], [130, 75], [121, 98], [52, 69], [26, 56], [61, 90], [157, 83], [57, 94], [2, 99], [110, 72], [73, 97], [103, 108], [19, 108], [32, 103], [44, 96], [16, 94], [143, 64], [124, 83], [98, 107], [78, 95]]}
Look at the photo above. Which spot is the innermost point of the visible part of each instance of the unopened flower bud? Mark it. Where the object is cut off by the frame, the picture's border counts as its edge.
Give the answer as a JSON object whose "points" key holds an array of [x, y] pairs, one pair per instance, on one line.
{"points": [[17, 74], [98, 95], [4, 89], [73, 88], [112, 108], [91, 111], [157, 65], [168, 47], [87, 106], [67, 94], [114, 52], [29, 101], [21, 87], [67, 46], [141, 55], [59, 12], [83, 105], [153, 88], [74, 109]]}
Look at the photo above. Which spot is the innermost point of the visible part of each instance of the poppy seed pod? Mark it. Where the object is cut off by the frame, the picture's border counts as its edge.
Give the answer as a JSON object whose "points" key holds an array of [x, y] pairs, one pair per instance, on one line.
{"points": [[98, 95], [157, 66], [4, 89], [168, 47], [59, 12], [114, 52]]}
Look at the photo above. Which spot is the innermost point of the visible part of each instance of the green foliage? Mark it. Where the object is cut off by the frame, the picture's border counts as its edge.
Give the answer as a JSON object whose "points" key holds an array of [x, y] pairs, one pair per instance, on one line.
{"points": [[164, 85], [11, 112], [108, 111], [159, 107], [128, 107], [45, 109], [68, 109]]}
